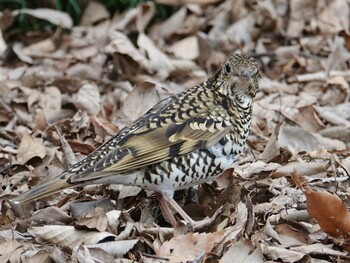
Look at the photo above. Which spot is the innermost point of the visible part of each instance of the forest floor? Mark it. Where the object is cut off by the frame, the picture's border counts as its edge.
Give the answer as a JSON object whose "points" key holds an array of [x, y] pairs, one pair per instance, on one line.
{"points": [[65, 92]]}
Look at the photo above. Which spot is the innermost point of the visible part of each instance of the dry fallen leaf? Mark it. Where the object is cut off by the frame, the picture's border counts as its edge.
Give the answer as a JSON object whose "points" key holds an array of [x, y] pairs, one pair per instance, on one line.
{"points": [[95, 12], [188, 247], [55, 17], [328, 210], [88, 98], [68, 236], [29, 148], [95, 220], [242, 252], [300, 121]]}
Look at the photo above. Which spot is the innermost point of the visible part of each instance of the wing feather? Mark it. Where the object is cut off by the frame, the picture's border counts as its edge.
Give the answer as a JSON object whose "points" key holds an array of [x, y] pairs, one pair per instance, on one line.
{"points": [[140, 147]]}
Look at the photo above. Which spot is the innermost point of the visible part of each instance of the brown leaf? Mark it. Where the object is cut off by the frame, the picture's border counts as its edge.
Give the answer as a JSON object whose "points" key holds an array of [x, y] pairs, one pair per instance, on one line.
{"points": [[328, 210], [51, 215], [95, 220]]}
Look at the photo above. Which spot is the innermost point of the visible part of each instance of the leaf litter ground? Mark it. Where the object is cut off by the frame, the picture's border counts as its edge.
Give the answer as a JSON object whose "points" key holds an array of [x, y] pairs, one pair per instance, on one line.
{"points": [[63, 94]]}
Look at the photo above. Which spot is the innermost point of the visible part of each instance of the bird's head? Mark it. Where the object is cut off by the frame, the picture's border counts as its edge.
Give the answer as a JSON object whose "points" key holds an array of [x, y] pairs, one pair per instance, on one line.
{"points": [[238, 77]]}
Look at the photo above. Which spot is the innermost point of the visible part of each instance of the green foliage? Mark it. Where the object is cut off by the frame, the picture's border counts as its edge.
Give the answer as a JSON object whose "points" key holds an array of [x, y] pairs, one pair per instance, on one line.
{"points": [[75, 8]]}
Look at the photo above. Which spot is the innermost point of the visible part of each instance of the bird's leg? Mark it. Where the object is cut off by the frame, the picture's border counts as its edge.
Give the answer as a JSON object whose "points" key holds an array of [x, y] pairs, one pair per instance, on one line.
{"points": [[167, 212], [195, 224], [178, 209]]}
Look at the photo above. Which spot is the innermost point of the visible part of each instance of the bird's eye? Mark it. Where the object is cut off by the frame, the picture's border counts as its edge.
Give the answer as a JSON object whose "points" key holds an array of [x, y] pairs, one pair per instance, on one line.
{"points": [[227, 68]]}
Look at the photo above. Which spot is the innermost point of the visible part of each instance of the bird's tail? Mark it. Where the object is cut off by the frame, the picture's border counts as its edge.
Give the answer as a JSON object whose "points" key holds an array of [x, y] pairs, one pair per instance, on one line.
{"points": [[45, 189]]}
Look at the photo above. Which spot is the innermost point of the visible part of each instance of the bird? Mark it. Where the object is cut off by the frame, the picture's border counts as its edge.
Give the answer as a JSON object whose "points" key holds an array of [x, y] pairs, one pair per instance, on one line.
{"points": [[184, 140]]}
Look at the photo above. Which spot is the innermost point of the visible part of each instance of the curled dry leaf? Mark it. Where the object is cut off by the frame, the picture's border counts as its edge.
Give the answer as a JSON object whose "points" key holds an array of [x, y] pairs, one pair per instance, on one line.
{"points": [[338, 115], [68, 236], [122, 45], [278, 252], [315, 169], [29, 148], [145, 13], [328, 209], [3, 45], [158, 61], [55, 17]]}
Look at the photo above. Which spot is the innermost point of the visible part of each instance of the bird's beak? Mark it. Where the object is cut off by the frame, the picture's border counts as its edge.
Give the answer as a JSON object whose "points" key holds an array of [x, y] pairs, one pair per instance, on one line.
{"points": [[247, 74]]}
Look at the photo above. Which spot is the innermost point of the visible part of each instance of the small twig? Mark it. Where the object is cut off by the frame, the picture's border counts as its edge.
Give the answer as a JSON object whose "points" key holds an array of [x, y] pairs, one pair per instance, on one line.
{"points": [[153, 256], [320, 76]]}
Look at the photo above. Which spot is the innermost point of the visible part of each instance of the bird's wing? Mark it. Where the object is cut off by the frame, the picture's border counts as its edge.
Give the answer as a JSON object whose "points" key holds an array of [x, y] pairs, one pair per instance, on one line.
{"points": [[165, 131]]}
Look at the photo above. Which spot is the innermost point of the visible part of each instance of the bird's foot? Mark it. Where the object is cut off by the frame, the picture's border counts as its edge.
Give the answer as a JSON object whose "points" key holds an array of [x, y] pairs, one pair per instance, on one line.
{"points": [[196, 225], [206, 222]]}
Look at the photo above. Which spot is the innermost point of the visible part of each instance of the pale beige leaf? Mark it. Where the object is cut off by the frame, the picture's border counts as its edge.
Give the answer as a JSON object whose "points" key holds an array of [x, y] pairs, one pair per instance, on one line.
{"points": [[186, 48], [3, 45], [173, 23], [188, 247], [338, 115], [158, 61], [69, 236], [278, 252], [29, 148], [149, 93], [121, 44], [55, 17], [296, 140], [242, 252], [116, 248], [51, 101], [241, 218], [316, 169], [94, 12], [88, 98], [319, 249]]}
